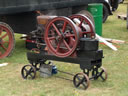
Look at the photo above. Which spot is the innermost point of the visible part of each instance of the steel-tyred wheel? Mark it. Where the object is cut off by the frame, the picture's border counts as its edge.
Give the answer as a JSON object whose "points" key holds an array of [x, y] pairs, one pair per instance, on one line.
{"points": [[81, 80], [86, 25], [7, 41], [103, 74], [61, 36], [28, 72], [100, 72]]}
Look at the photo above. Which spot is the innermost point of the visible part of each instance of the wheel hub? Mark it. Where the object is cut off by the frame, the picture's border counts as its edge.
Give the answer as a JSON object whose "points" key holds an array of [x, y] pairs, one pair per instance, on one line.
{"points": [[59, 38]]}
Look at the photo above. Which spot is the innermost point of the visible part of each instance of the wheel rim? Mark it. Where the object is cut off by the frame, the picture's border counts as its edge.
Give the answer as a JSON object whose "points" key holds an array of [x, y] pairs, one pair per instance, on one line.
{"points": [[88, 14], [6, 41], [89, 29], [61, 36], [81, 80], [28, 72], [100, 72], [103, 74]]}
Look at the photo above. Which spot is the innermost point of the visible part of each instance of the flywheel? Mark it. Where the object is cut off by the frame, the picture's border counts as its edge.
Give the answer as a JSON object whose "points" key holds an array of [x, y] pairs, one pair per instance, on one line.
{"points": [[85, 24], [61, 36]]}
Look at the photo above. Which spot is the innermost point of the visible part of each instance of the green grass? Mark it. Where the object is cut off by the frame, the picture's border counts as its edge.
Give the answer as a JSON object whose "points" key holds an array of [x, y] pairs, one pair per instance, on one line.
{"points": [[12, 84]]}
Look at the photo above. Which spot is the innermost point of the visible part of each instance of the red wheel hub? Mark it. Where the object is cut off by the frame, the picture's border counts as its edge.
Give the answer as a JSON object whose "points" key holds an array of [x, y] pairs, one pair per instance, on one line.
{"points": [[61, 36], [85, 24]]}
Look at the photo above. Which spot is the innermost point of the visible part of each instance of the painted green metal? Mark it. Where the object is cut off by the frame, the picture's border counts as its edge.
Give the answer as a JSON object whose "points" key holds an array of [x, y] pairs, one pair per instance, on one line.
{"points": [[96, 10]]}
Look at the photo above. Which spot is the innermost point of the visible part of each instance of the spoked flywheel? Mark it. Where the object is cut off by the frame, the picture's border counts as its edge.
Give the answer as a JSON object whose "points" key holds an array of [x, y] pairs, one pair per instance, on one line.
{"points": [[86, 25], [61, 36], [88, 14], [7, 41]]}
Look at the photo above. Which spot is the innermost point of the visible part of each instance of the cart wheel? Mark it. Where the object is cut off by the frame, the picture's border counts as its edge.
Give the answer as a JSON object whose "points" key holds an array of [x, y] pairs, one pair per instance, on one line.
{"points": [[61, 36], [103, 74], [86, 25], [28, 72], [81, 80], [100, 72], [7, 41]]}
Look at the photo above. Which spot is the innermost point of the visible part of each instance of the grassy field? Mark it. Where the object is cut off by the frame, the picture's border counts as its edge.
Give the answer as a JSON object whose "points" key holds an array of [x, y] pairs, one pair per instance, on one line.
{"points": [[116, 63]]}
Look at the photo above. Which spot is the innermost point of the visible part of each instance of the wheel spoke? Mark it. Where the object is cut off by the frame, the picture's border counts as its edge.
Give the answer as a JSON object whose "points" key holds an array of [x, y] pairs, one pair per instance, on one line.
{"points": [[89, 32], [51, 38], [78, 78], [102, 78], [30, 70], [31, 75], [70, 35], [3, 42], [64, 26], [58, 46], [54, 26], [101, 73], [1, 29], [81, 82], [26, 70], [3, 47], [66, 44], [4, 35], [85, 86], [81, 22], [26, 75]]}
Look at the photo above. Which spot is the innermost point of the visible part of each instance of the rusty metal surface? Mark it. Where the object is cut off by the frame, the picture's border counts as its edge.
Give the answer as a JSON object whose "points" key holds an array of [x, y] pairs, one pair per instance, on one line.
{"points": [[43, 19]]}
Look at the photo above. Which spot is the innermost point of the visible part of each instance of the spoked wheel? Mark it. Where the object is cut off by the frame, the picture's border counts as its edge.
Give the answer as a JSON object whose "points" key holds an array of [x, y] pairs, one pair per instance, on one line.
{"points": [[88, 14], [7, 41], [81, 80], [61, 36], [28, 72], [86, 25], [100, 73]]}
